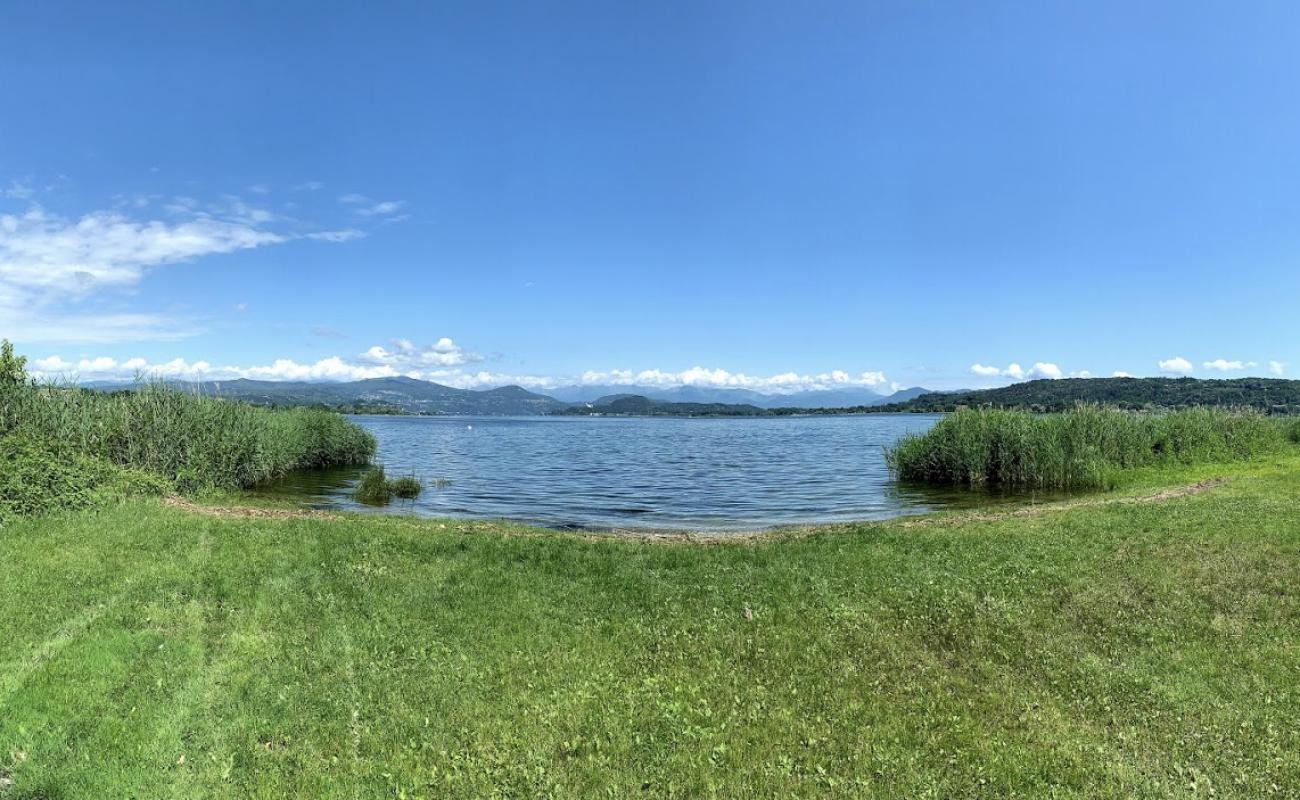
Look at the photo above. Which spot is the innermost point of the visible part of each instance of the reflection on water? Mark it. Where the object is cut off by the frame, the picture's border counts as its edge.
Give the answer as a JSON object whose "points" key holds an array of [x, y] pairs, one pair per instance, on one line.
{"points": [[618, 472]]}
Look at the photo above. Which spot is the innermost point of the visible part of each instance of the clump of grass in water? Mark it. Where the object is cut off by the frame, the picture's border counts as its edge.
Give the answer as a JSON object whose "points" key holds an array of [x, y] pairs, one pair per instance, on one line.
{"points": [[1078, 449], [375, 489], [406, 487]]}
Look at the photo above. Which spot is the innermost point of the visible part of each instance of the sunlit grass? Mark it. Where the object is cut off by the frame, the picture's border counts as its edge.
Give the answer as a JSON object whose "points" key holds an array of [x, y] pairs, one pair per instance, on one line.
{"points": [[1141, 650]]}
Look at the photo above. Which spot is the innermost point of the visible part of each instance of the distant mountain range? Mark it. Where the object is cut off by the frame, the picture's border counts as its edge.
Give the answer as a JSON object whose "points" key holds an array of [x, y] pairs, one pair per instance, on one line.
{"points": [[408, 395], [413, 396], [818, 398]]}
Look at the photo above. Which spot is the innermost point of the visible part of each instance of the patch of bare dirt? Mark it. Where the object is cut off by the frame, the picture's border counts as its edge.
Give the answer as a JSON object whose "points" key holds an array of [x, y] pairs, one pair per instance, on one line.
{"points": [[247, 512]]}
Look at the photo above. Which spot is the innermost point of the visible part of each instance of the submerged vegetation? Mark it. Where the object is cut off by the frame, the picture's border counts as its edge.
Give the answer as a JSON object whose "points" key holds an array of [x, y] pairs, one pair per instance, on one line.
{"points": [[153, 438], [1078, 449]]}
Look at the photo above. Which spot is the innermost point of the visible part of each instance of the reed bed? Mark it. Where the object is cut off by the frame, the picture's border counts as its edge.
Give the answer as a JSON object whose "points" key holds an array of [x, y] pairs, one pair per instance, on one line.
{"points": [[191, 440], [1079, 449]]}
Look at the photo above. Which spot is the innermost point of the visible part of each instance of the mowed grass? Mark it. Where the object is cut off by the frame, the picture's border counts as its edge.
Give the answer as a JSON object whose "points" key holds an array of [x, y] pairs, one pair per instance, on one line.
{"points": [[1134, 650]]}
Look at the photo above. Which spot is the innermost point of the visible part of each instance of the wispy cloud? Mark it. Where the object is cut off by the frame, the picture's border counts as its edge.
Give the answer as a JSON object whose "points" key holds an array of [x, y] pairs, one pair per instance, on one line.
{"points": [[18, 190], [51, 266], [1276, 368], [365, 207], [1224, 365]]}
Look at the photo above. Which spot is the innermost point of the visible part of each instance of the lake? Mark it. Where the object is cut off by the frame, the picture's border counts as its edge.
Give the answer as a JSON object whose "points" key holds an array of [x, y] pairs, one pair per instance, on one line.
{"points": [[637, 472]]}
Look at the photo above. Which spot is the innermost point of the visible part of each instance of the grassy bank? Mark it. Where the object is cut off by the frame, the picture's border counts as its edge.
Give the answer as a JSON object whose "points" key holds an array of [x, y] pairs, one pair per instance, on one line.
{"points": [[1128, 650], [67, 447], [1086, 447]]}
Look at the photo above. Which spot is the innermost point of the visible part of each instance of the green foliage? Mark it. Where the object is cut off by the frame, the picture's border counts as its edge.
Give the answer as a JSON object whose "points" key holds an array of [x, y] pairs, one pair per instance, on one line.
{"points": [[13, 369], [36, 479], [407, 487], [1080, 448], [373, 488], [191, 441]]}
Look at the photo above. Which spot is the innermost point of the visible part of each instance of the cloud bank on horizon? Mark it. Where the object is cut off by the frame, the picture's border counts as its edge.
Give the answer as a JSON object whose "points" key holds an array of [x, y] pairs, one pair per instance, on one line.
{"points": [[442, 362]]}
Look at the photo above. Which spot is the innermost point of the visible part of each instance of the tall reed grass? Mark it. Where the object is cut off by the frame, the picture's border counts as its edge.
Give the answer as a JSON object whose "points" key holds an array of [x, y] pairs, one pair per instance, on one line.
{"points": [[191, 440], [1082, 448]]}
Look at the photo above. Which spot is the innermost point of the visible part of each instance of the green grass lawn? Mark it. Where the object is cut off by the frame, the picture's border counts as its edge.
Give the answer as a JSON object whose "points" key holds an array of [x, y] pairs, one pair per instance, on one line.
{"points": [[1135, 650]]}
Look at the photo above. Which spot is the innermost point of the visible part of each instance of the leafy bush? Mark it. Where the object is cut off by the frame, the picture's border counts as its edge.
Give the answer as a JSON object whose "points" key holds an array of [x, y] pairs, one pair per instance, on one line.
{"points": [[1081, 448], [36, 479]]}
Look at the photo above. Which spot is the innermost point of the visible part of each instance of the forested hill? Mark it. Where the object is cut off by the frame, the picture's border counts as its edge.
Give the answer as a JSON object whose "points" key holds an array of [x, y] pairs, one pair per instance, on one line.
{"points": [[1265, 394]]}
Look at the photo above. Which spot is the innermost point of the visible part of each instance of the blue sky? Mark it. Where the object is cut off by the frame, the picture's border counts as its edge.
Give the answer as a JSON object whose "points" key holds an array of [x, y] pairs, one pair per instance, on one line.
{"points": [[771, 195]]}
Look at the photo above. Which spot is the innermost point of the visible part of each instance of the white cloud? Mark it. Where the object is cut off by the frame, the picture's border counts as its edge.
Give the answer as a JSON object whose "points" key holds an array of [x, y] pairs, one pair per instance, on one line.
{"points": [[43, 256], [1276, 367], [51, 265], [1175, 366], [405, 356], [782, 383], [308, 186], [1040, 369], [1224, 365], [1045, 370], [1120, 374], [444, 362]]}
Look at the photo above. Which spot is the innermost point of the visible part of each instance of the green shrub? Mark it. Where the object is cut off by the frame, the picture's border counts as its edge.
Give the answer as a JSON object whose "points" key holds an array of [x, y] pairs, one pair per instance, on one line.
{"points": [[1081, 448], [36, 479]]}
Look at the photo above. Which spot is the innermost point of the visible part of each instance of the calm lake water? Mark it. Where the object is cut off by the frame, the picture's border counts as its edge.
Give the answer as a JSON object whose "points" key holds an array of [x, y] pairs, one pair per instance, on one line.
{"points": [[629, 472]]}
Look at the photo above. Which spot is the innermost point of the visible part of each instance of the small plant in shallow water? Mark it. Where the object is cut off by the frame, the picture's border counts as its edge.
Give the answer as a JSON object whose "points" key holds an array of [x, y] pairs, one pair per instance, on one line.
{"points": [[406, 487], [373, 488]]}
